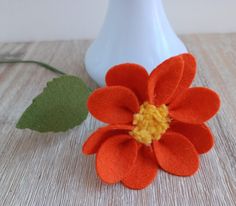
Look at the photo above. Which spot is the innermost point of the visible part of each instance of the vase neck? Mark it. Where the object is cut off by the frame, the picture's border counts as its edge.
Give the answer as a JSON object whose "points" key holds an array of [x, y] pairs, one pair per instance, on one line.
{"points": [[135, 5], [134, 2], [135, 10]]}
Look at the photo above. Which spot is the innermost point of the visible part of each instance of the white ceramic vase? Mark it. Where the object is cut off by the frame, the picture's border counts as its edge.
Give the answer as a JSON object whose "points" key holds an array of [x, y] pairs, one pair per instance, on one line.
{"points": [[134, 31]]}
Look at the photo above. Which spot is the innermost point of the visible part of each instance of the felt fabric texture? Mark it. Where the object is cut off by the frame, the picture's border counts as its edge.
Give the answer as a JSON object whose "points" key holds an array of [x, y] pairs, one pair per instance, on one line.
{"points": [[132, 76], [198, 134], [196, 105], [60, 107], [119, 156], [144, 170], [96, 139], [176, 155], [189, 72], [164, 80], [115, 158], [108, 105]]}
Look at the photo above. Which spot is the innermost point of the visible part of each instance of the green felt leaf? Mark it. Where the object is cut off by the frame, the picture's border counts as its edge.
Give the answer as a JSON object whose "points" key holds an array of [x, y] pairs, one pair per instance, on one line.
{"points": [[61, 106]]}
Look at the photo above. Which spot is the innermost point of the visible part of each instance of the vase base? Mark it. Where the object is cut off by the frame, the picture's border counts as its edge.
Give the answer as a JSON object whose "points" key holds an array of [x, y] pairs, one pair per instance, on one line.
{"points": [[97, 65]]}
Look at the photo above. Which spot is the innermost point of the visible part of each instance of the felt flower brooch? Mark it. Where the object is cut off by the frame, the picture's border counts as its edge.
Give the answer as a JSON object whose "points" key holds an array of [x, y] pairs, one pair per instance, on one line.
{"points": [[155, 121]]}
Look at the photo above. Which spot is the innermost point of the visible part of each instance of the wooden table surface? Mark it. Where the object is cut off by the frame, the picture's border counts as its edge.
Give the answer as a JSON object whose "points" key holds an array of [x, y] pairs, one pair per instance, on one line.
{"points": [[50, 169]]}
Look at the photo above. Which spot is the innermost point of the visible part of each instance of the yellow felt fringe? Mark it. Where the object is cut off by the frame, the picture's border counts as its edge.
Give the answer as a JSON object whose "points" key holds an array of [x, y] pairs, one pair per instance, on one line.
{"points": [[150, 123]]}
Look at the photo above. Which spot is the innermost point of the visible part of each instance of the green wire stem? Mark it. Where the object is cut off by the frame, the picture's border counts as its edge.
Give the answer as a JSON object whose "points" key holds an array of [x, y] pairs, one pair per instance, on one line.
{"points": [[46, 66]]}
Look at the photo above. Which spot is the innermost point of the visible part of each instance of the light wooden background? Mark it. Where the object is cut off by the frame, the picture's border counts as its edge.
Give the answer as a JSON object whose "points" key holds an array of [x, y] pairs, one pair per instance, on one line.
{"points": [[50, 170]]}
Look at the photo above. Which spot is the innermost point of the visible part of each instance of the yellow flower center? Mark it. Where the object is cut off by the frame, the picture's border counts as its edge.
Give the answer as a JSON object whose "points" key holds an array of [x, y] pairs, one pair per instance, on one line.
{"points": [[150, 123]]}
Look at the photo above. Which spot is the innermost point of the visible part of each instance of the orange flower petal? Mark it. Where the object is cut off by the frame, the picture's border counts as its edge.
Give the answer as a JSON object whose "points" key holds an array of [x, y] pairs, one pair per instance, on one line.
{"points": [[115, 158], [198, 134], [176, 154], [132, 76], [114, 105], [144, 170], [190, 67], [164, 80], [96, 139], [195, 106]]}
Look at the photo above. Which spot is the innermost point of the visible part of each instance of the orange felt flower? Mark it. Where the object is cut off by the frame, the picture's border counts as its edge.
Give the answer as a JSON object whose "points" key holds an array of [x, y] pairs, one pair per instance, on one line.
{"points": [[155, 121]]}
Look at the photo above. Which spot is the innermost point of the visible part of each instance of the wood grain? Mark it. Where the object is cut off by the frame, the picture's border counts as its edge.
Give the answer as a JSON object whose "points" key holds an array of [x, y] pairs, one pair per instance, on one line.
{"points": [[50, 170]]}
